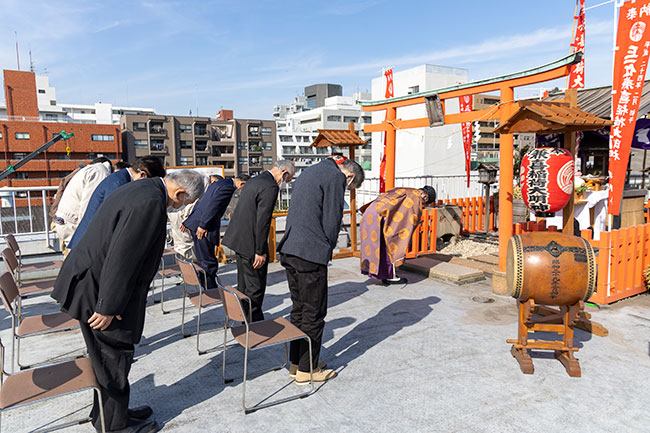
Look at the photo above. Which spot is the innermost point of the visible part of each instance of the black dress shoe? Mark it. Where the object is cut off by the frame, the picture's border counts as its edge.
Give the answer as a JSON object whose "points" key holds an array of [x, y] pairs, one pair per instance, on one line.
{"points": [[388, 282], [136, 426], [142, 412]]}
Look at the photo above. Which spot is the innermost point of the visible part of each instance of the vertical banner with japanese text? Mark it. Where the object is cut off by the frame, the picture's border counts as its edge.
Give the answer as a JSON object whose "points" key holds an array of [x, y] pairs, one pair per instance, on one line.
{"points": [[630, 63], [577, 74], [388, 73], [466, 105]]}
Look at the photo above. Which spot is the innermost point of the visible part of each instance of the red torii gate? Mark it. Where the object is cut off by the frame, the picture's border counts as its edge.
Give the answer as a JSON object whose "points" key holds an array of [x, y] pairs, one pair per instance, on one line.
{"points": [[501, 112]]}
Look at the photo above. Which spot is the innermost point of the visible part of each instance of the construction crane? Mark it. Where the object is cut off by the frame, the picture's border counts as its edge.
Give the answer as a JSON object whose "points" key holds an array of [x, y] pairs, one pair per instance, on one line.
{"points": [[58, 137]]}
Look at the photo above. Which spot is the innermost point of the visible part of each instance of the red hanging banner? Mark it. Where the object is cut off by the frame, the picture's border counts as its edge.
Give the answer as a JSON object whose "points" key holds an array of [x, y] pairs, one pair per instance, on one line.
{"points": [[577, 75], [382, 166], [630, 64], [466, 105]]}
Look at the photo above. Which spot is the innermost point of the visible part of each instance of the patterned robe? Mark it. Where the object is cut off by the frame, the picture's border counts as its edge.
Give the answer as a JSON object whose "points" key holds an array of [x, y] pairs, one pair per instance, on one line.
{"points": [[387, 227]]}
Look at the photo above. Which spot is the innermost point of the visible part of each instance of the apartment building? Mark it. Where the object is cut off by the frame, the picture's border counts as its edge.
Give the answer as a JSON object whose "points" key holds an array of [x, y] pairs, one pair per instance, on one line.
{"points": [[50, 110], [239, 145], [23, 130]]}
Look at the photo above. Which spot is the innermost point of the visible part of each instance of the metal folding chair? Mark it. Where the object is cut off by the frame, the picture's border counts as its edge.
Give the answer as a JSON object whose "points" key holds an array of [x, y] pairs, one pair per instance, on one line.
{"points": [[39, 266], [43, 383], [24, 327], [201, 299], [257, 335], [165, 272]]}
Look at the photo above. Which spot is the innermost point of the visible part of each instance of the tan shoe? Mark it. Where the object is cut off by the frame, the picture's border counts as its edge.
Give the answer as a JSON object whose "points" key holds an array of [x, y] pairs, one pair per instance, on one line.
{"points": [[302, 378], [294, 367]]}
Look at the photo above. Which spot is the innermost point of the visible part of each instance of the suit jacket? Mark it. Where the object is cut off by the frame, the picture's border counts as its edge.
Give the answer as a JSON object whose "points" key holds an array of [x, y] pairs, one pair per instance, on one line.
{"points": [[315, 213], [103, 190], [111, 268], [209, 210], [248, 230]]}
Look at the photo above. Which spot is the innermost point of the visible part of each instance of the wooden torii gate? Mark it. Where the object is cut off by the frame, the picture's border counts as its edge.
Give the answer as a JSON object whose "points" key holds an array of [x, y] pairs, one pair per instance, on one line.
{"points": [[501, 112]]}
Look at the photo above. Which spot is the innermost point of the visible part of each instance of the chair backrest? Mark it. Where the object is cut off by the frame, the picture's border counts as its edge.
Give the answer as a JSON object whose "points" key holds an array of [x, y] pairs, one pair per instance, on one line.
{"points": [[8, 290], [10, 259], [232, 299], [188, 272], [13, 243]]}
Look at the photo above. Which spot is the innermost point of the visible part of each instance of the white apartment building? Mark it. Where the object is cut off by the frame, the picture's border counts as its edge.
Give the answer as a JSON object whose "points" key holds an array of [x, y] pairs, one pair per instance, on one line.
{"points": [[299, 130], [98, 113], [421, 151]]}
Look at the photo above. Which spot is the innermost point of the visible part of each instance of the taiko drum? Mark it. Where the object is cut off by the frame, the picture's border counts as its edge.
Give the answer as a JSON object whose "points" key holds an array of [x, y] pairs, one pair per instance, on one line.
{"points": [[551, 268]]}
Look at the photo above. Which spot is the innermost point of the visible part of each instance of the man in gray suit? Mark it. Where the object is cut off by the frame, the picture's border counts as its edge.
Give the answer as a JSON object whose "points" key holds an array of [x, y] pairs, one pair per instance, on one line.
{"points": [[312, 231]]}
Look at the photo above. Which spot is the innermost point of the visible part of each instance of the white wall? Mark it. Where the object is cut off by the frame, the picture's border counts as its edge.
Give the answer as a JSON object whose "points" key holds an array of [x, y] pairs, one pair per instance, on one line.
{"points": [[421, 151]]}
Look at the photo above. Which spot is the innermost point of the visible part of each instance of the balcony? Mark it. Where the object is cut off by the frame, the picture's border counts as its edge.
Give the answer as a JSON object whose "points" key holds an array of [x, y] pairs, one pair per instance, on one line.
{"points": [[254, 148], [157, 130], [201, 147], [158, 148], [200, 130]]}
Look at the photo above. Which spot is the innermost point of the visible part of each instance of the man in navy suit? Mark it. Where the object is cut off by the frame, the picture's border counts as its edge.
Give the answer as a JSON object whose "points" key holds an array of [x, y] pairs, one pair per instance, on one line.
{"points": [[204, 223], [146, 166]]}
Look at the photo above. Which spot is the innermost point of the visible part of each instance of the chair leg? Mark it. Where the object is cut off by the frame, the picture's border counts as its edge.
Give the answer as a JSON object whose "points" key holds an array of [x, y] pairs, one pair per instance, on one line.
{"points": [[162, 294], [101, 410], [183, 314], [198, 329], [225, 338], [244, 383]]}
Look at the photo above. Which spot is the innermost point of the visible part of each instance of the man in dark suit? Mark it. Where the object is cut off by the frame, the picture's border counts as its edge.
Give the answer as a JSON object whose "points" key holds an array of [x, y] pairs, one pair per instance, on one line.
{"points": [[104, 282], [143, 167], [248, 232], [311, 234], [204, 223]]}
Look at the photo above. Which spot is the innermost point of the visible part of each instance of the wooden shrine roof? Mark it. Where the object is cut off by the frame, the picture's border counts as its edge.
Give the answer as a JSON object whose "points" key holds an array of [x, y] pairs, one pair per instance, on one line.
{"points": [[337, 137], [543, 117]]}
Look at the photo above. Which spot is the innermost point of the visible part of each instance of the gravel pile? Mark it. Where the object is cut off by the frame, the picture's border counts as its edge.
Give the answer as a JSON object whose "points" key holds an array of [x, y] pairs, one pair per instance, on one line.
{"points": [[466, 247]]}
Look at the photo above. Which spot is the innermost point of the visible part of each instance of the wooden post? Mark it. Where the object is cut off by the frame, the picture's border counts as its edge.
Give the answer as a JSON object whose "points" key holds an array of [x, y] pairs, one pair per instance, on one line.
{"points": [[353, 202], [568, 216], [505, 179], [391, 114]]}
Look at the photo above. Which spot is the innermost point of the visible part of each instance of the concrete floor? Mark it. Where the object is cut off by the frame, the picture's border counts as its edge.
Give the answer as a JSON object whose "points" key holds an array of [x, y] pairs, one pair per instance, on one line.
{"points": [[419, 358]]}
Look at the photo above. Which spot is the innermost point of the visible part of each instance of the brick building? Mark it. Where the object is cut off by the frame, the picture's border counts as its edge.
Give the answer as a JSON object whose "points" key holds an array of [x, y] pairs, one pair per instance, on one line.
{"points": [[239, 145], [21, 132]]}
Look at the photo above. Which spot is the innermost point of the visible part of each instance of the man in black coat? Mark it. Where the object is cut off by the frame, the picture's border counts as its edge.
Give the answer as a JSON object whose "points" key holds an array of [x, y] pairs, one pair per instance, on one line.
{"points": [[204, 223], [311, 234], [104, 282], [248, 232]]}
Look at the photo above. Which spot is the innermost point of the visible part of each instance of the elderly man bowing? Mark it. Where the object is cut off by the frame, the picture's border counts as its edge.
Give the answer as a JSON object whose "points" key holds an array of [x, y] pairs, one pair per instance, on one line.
{"points": [[104, 281]]}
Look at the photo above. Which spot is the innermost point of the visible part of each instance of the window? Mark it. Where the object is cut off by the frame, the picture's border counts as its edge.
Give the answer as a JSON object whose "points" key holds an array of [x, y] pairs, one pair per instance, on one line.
{"points": [[186, 128], [0, 135], [22, 135], [140, 144], [22, 175], [200, 130], [288, 149], [414, 89], [139, 126], [243, 160], [19, 155], [242, 145], [347, 119], [201, 160], [285, 138], [253, 130], [267, 160], [157, 145], [367, 119], [185, 160], [333, 118], [52, 102], [102, 137], [265, 146], [490, 101], [156, 128], [186, 144], [254, 147], [311, 102], [41, 90], [267, 131], [201, 145]]}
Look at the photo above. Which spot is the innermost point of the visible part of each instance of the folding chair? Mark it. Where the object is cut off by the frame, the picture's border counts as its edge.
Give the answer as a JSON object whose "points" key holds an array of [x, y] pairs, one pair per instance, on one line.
{"points": [[29, 326], [201, 299], [257, 335], [26, 289], [44, 383], [165, 272], [39, 266]]}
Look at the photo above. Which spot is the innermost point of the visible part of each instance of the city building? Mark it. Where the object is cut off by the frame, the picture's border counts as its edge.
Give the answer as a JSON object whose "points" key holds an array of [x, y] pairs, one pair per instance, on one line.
{"points": [[421, 151], [239, 145], [299, 130], [50, 110], [23, 129]]}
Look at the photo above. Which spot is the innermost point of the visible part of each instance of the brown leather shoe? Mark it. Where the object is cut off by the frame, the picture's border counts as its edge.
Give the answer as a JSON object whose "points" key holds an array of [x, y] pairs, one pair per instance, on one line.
{"points": [[294, 367], [302, 378]]}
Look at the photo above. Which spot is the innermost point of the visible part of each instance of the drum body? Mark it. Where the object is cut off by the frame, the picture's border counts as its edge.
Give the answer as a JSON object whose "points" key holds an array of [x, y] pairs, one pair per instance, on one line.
{"points": [[551, 268]]}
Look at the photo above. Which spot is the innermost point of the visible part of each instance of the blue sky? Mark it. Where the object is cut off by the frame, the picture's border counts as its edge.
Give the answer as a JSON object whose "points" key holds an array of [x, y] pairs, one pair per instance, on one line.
{"points": [[250, 55]]}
